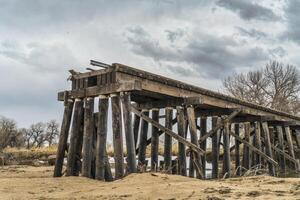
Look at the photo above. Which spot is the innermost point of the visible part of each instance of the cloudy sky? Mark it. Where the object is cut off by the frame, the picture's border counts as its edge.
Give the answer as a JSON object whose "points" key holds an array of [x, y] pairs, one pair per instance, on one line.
{"points": [[197, 41]]}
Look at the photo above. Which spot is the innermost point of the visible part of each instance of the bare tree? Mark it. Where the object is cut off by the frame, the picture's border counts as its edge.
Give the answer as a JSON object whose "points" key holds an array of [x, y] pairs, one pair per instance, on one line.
{"points": [[8, 129], [276, 86], [52, 131], [37, 134]]}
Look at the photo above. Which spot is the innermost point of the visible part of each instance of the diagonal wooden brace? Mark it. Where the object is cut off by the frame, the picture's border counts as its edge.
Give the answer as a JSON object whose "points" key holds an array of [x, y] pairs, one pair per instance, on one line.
{"points": [[220, 125], [253, 148], [168, 131]]}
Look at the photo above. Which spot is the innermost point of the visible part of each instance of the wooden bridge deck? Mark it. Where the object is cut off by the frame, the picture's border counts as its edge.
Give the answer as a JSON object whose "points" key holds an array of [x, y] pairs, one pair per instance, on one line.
{"points": [[154, 91]]}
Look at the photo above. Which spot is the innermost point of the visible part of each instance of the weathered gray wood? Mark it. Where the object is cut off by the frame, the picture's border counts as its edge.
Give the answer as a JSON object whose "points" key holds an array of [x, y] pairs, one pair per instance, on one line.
{"points": [[143, 140], [281, 146], [136, 126], [108, 174], [289, 140], [237, 150], [220, 125], [226, 156], [268, 147], [63, 137], [168, 140], [297, 136], [258, 144], [88, 131], [194, 139], [215, 149], [246, 151], [130, 145], [74, 138], [203, 131], [168, 131], [101, 138], [250, 146], [181, 147], [154, 141], [117, 136]]}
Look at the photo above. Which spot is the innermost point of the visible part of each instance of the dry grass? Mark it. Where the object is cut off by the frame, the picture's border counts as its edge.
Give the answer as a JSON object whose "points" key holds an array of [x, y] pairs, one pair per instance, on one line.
{"points": [[23, 155]]}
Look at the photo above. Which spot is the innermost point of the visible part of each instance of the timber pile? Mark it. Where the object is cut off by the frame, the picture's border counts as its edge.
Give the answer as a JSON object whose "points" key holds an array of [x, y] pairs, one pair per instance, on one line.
{"points": [[270, 138]]}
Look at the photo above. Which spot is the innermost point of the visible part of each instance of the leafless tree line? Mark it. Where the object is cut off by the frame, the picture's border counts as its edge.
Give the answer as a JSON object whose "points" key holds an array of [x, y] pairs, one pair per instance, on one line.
{"points": [[37, 135], [275, 86]]}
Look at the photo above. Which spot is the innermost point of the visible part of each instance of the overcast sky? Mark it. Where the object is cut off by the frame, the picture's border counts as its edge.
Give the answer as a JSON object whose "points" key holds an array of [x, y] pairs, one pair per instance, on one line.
{"points": [[196, 41]]}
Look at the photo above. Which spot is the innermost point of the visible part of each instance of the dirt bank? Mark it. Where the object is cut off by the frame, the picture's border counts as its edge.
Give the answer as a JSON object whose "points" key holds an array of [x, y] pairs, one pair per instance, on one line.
{"points": [[25, 182]]}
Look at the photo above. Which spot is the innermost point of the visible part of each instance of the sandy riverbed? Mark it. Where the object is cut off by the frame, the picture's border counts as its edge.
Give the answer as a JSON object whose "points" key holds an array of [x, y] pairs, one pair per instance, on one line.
{"points": [[25, 182]]}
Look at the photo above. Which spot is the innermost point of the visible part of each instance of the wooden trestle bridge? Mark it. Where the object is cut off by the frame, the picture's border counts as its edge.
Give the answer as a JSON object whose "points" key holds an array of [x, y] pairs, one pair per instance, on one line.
{"points": [[263, 138]]}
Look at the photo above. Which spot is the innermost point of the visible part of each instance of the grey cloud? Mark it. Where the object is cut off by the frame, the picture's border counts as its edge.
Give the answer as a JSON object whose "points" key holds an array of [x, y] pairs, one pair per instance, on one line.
{"points": [[174, 35], [248, 10], [293, 21], [253, 33], [210, 56], [40, 57]]}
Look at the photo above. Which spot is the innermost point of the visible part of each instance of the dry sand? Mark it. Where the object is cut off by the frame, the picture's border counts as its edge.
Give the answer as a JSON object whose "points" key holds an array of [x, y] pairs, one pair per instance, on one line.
{"points": [[25, 182]]}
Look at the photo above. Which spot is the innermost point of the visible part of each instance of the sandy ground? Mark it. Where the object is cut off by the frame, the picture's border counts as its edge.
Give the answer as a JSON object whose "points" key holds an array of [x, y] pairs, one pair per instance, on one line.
{"points": [[25, 182]]}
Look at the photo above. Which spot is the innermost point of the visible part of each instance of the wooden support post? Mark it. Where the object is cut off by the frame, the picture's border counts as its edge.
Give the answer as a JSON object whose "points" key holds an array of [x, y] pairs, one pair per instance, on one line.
{"points": [[268, 147], [136, 127], [63, 137], [168, 140], [258, 143], [237, 150], [130, 145], [74, 138], [154, 141], [289, 140], [194, 139], [108, 175], [143, 141], [117, 135], [88, 131], [297, 136], [215, 150], [246, 151], [101, 138], [203, 131], [181, 147], [226, 155], [281, 147]]}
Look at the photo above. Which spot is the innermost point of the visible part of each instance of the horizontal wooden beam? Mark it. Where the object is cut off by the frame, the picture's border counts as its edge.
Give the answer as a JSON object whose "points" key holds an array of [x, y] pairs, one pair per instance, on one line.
{"points": [[101, 90]]}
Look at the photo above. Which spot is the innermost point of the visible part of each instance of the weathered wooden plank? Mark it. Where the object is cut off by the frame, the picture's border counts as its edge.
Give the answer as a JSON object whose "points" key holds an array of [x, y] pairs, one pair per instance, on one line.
{"points": [[168, 140], [130, 145], [125, 86], [117, 135], [289, 140], [268, 147], [143, 140], [168, 131], [154, 141], [226, 157], [194, 138], [219, 125], [63, 137], [281, 146], [258, 144], [160, 132], [203, 131], [136, 126], [215, 148], [88, 131], [74, 138], [181, 147], [101, 138], [237, 150], [270, 160], [246, 150]]}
